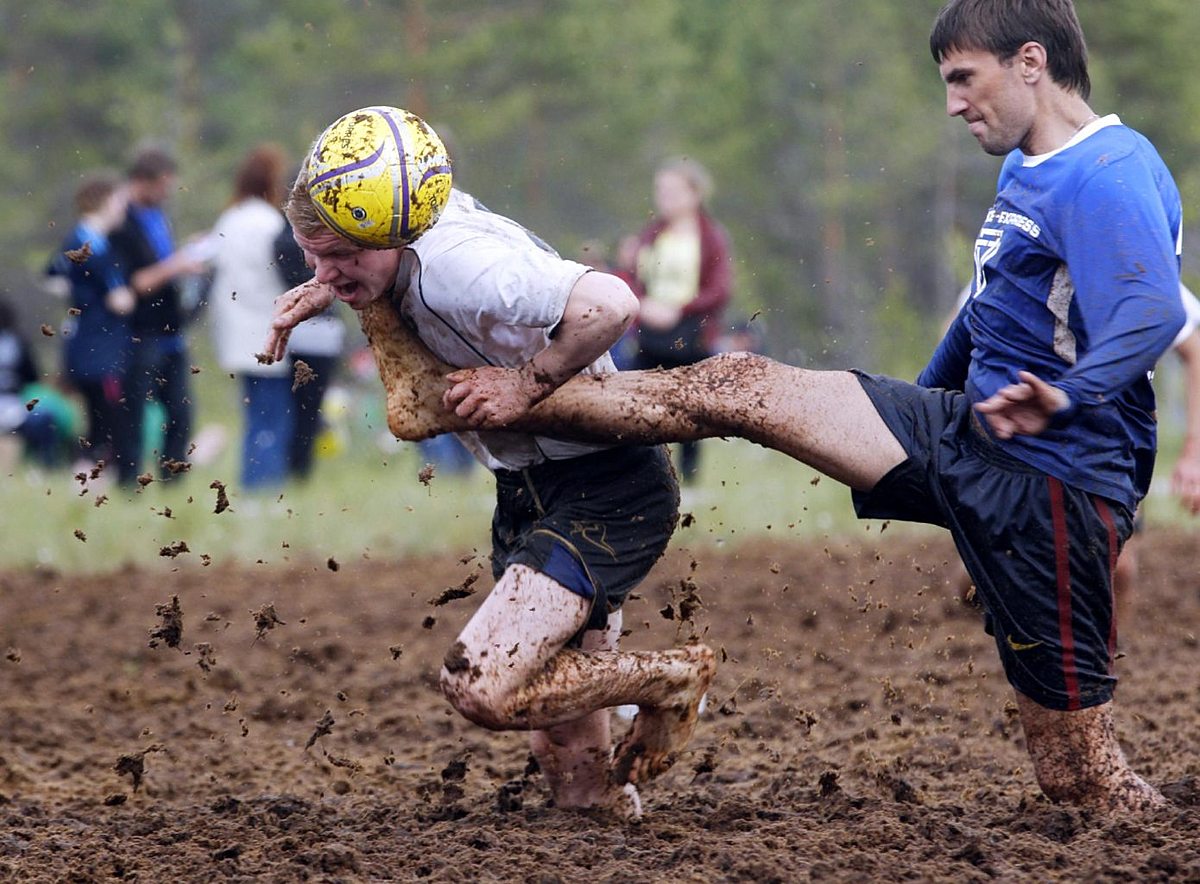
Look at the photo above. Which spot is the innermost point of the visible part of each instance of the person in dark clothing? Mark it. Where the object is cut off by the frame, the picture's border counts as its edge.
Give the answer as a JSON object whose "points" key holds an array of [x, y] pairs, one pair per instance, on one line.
{"points": [[33, 426], [159, 366], [98, 340], [318, 344]]}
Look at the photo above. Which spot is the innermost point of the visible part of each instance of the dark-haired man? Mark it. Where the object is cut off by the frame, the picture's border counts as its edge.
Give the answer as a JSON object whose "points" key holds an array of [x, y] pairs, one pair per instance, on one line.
{"points": [[1030, 435], [146, 251]]}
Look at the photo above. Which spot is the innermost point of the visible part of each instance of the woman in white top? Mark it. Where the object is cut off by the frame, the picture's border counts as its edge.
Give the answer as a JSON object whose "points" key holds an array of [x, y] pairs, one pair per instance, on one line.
{"points": [[245, 285]]}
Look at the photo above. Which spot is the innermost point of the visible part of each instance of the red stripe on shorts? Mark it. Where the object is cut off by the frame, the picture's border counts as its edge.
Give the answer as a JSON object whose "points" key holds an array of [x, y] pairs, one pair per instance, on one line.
{"points": [[1062, 569], [1106, 517]]}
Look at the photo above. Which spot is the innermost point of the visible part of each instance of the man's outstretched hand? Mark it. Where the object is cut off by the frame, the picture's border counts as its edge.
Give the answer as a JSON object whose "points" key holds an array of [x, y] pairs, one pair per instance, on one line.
{"points": [[1025, 408], [292, 308]]}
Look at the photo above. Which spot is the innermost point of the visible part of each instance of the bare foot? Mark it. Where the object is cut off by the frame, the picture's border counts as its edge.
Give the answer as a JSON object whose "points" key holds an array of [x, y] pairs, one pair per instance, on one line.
{"points": [[620, 802], [661, 731]]}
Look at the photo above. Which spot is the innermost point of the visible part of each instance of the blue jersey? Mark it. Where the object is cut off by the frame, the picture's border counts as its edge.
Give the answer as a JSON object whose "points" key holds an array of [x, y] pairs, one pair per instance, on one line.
{"points": [[98, 341], [1077, 281]]}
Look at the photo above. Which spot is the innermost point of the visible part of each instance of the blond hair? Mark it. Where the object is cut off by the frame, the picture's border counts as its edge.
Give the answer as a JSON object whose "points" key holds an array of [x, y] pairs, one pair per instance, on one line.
{"points": [[300, 209], [693, 172]]}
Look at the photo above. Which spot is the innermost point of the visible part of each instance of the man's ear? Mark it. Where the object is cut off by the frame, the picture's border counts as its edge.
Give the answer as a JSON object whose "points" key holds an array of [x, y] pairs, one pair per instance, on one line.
{"points": [[1031, 61]]}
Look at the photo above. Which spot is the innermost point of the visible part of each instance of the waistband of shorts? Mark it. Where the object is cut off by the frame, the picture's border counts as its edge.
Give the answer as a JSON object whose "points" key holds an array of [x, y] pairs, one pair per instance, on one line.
{"points": [[604, 459], [987, 449]]}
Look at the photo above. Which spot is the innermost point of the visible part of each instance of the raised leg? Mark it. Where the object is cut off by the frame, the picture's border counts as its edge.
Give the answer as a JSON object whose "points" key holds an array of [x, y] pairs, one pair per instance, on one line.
{"points": [[1078, 760], [823, 418]]}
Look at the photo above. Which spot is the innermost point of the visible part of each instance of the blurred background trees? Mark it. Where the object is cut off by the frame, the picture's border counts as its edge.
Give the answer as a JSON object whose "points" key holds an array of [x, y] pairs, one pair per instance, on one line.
{"points": [[850, 196]]}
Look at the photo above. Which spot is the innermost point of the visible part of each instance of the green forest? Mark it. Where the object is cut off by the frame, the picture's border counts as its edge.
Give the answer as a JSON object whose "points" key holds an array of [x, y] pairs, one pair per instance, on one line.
{"points": [[850, 195]]}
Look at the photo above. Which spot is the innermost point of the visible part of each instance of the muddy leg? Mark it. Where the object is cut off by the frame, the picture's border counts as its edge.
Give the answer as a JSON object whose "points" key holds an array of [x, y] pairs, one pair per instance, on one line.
{"points": [[575, 756], [1078, 760], [413, 378], [509, 671], [823, 418]]}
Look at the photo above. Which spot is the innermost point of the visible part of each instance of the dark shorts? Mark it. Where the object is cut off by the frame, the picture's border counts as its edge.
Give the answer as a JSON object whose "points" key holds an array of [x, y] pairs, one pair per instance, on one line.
{"points": [[1041, 553], [596, 524]]}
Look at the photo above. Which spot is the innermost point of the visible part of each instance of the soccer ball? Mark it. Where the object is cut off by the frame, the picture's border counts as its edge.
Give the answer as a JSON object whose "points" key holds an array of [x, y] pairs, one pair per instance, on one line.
{"points": [[379, 176]]}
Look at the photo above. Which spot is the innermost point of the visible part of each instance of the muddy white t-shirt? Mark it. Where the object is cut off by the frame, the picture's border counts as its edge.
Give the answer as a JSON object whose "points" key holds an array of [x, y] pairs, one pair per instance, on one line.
{"points": [[480, 289]]}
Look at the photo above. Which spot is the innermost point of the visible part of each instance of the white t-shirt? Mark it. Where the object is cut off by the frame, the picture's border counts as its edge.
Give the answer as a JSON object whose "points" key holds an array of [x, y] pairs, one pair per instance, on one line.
{"points": [[245, 285], [482, 290]]}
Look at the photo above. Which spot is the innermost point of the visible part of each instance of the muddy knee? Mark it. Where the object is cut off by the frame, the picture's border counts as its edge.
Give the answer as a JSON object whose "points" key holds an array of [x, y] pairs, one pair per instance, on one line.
{"points": [[464, 686]]}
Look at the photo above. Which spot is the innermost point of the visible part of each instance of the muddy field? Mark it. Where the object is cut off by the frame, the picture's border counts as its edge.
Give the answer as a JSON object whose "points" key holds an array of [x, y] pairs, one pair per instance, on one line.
{"points": [[860, 730]]}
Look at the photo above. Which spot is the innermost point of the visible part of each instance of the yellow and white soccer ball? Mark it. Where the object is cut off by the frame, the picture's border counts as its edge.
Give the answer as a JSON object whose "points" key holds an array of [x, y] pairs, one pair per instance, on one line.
{"points": [[379, 176]]}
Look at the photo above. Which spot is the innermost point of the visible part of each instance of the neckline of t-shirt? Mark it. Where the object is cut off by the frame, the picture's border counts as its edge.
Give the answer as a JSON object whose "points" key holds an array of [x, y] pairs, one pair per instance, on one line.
{"points": [[1087, 131]]}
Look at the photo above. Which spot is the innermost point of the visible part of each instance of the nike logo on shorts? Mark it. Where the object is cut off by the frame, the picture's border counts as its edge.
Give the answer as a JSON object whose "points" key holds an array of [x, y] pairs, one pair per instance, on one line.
{"points": [[1021, 646]]}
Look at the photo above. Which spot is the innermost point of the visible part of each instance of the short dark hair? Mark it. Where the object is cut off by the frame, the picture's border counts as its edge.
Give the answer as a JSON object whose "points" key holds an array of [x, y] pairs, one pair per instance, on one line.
{"points": [[1002, 27], [151, 163], [94, 191]]}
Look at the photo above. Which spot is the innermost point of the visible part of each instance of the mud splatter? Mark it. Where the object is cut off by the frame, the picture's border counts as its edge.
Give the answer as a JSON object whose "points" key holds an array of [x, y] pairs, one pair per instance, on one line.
{"points": [[323, 728], [170, 631], [265, 619], [222, 497], [452, 593], [133, 764], [302, 375], [79, 255]]}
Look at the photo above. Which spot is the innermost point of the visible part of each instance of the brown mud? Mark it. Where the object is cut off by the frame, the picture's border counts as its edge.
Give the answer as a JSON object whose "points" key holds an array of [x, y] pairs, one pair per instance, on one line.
{"points": [[858, 729]]}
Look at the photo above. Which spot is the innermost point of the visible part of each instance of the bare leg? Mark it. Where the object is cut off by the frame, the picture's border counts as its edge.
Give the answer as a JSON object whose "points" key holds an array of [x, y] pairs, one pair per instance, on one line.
{"points": [[1125, 577], [509, 671], [1078, 760], [823, 418], [575, 756], [413, 378]]}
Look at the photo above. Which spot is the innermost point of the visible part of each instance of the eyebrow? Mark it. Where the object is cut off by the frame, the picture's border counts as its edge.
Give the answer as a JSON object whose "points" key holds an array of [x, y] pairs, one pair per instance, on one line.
{"points": [[957, 75]]}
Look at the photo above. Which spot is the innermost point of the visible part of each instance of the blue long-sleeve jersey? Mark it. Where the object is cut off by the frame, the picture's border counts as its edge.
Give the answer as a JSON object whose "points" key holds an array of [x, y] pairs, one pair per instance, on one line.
{"points": [[1077, 281]]}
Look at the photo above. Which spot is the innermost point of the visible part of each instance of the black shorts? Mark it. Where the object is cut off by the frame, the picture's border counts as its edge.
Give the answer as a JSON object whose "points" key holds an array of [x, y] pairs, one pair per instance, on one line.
{"points": [[596, 523], [1041, 553]]}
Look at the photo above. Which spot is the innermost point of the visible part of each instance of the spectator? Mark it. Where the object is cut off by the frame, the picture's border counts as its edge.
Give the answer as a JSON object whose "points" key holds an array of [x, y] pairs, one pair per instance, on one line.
{"points": [[98, 337], [34, 426], [317, 343], [683, 279], [242, 297], [145, 246]]}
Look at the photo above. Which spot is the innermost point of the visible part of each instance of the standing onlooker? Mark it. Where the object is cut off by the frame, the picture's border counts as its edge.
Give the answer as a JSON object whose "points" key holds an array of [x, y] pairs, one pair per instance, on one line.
{"points": [[242, 298], [318, 344], [98, 339], [683, 278], [159, 366]]}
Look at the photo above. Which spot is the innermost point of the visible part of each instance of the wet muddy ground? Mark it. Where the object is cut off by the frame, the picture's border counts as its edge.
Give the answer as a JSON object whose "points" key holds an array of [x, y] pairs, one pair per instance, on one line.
{"points": [[859, 729]]}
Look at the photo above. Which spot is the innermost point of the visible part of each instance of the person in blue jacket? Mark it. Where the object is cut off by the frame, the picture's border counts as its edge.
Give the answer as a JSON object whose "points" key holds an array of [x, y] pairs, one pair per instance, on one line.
{"points": [[98, 337]]}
